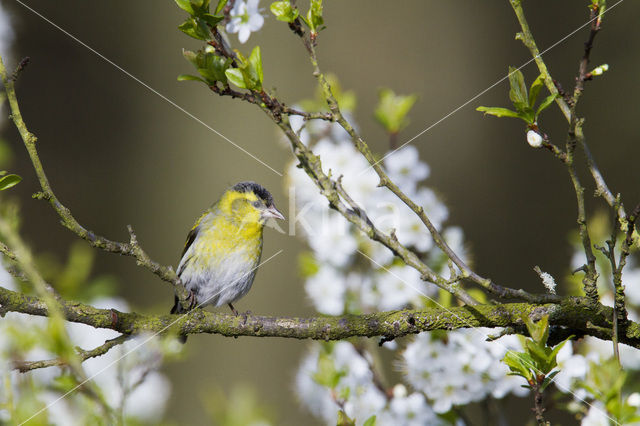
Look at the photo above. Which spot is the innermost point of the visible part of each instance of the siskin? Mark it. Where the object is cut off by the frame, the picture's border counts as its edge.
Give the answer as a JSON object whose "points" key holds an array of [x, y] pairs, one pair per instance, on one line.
{"points": [[223, 249]]}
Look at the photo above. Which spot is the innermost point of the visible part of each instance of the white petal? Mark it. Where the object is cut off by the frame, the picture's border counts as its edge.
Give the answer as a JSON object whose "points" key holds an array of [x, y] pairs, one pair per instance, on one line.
{"points": [[244, 33]]}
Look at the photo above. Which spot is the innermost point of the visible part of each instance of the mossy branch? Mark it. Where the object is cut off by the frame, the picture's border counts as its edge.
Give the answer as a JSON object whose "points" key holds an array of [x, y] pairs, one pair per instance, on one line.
{"points": [[575, 315]]}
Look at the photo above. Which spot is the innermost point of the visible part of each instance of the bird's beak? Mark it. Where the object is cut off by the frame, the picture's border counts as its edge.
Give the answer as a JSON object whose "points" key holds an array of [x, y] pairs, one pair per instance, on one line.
{"points": [[272, 212]]}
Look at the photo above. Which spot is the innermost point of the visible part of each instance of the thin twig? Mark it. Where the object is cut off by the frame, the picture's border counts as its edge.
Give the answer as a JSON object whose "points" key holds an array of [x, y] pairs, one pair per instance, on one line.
{"points": [[24, 366], [132, 248], [385, 181]]}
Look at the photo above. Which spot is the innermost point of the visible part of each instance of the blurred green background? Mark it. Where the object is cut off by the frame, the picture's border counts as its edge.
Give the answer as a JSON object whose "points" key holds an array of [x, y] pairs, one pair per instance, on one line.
{"points": [[118, 154]]}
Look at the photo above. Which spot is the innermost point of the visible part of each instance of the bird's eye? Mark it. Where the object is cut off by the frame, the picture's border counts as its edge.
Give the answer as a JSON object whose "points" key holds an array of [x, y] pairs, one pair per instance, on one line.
{"points": [[256, 204]]}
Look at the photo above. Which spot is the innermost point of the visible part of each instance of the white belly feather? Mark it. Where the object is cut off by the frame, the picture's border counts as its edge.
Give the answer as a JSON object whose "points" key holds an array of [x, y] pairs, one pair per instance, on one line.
{"points": [[220, 279]]}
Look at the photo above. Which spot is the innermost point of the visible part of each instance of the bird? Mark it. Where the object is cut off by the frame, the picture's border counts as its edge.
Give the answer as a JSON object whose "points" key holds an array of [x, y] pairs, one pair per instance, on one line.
{"points": [[222, 252]]}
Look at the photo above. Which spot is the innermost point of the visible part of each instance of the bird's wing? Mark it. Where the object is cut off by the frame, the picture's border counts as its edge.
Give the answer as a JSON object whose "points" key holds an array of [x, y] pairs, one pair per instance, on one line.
{"points": [[190, 238], [193, 234]]}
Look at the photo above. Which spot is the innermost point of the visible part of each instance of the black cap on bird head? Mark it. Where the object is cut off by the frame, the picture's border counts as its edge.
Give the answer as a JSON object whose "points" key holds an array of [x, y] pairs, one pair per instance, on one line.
{"points": [[262, 193], [257, 189]]}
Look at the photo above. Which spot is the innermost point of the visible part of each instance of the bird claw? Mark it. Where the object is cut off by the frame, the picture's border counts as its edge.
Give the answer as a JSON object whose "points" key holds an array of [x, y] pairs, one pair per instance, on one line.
{"points": [[192, 300]]}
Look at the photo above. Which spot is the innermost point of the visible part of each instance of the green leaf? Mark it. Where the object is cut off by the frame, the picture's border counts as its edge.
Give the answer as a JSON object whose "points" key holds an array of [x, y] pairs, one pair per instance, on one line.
{"points": [[189, 77], [284, 11], [518, 92], [559, 346], [211, 20], [314, 16], [212, 67], [540, 355], [519, 363], [326, 373], [392, 110], [307, 264], [186, 6], [528, 115], [235, 76], [344, 420], [195, 28], [220, 6], [371, 421], [498, 112], [8, 181], [548, 380], [534, 90], [195, 8], [255, 67], [539, 331], [191, 57], [547, 101]]}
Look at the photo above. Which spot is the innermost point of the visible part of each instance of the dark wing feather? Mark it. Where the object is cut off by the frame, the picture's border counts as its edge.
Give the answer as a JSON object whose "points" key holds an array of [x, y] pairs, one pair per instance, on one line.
{"points": [[190, 239]]}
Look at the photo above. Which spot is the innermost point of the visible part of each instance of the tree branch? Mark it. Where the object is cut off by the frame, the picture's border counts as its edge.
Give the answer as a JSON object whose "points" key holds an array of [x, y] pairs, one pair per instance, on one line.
{"points": [[363, 148], [577, 315], [527, 39], [24, 366], [575, 135]]}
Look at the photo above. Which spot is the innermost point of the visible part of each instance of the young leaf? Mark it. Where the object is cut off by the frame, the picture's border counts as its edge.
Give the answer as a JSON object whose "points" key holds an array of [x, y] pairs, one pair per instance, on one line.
{"points": [[540, 355], [498, 112], [547, 101], [220, 6], [284, 11], [212, 67], [8, 181], [189, 77], [314, 16], [534, 90], [548, 380], [371, 421], [195, 28], [518, 92], [344, 420], [392, 110], [236, 77], [539, 331], [255, 68], [191, 57], [557, 348], [211, 20], [186, 6], [519, 363]]}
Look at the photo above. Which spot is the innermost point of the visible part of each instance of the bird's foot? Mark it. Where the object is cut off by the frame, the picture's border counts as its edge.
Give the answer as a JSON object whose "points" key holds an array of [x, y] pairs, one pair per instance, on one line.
{"points": [[193, 302], [233, 309]]}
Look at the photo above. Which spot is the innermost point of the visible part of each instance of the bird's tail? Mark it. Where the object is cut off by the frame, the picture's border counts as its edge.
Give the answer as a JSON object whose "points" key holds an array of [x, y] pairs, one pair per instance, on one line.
{"points": [[178, 309]]}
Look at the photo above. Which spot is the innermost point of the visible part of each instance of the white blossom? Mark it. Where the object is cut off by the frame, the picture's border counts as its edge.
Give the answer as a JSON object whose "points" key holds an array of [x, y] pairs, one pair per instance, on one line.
{"points": [[548, 281], [399, 286], [6, 33], [245, 19], [405, 168], [136, 361], [464, 369], [596, 416], [340, 285], [534, 139], [326, 290]]}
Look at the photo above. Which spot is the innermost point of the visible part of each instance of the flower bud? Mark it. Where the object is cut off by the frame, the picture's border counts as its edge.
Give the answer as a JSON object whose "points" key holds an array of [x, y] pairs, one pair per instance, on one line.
{"points": [[534, 139]]}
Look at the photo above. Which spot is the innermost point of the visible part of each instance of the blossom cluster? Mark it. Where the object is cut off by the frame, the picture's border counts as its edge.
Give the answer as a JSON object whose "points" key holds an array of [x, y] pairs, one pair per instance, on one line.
{"points": [[356, 391], [353, 274], [127, 375]]}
